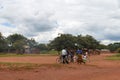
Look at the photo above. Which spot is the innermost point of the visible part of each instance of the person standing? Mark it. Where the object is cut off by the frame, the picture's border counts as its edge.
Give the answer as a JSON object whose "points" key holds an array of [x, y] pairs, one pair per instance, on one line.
{"points": [[71, 53]]}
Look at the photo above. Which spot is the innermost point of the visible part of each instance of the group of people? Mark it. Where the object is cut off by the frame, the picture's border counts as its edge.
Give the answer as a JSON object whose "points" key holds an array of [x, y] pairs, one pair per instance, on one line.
{"points": [[79, 56]]}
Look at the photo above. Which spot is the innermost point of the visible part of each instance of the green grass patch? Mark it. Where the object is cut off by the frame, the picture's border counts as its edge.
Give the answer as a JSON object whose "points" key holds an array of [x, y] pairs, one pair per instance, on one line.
{"points": [[42, 53], [52, 52], [114, 57], [26, 66], [25, 55], [17, 55], [16, 66]]}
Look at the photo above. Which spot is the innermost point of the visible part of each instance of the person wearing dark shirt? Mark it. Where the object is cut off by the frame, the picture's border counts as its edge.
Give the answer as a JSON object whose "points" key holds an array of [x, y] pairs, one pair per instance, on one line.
{"points": [[79, 56]]}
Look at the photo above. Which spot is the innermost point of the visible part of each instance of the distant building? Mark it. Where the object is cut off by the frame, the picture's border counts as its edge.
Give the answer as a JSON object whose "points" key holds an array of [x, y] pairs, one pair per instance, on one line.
{"points": [[27, 49], [105, 50], [31, 50]]}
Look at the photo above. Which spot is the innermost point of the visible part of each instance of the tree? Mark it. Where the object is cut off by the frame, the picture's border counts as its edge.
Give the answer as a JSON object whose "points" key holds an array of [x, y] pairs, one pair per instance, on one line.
{"points": [[15, 37], [113, 46], [3, 43], [17, 42], [42, 47], [118, 50], [32, 44], [69, 41], [102, 46], [63, 41], [87, 42]]}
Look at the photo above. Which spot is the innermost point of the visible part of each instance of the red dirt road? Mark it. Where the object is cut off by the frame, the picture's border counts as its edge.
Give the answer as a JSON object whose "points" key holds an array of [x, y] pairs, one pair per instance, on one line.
{"points": [[30, 59], [97, 69]]}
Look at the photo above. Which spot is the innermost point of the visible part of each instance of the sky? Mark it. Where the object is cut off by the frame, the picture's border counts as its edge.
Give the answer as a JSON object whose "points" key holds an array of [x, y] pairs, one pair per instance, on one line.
{"points": [[43, 20]]}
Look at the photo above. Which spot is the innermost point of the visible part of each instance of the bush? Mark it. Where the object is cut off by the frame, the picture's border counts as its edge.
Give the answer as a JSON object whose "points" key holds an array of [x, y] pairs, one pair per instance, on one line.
{"points": [[118, 50]]}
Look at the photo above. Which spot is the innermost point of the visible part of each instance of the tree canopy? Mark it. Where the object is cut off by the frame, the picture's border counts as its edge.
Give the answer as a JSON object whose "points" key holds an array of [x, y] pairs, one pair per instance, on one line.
{"points": [[113, 46], [70, 41], [63, 41], [18, 41], [3, 43]]}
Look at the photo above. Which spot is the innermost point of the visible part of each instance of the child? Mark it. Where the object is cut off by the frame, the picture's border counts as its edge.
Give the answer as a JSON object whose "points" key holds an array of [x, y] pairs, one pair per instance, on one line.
{"points": [[84, 58]]}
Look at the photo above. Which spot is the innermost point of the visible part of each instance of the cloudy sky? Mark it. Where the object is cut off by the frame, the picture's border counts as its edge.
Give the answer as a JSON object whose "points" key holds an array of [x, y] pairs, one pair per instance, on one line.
{"points": [[44, 19]]}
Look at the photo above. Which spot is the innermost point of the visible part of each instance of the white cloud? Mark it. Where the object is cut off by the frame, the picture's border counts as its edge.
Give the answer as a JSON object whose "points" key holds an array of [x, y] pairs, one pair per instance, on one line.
{"points": [[44, 19]]}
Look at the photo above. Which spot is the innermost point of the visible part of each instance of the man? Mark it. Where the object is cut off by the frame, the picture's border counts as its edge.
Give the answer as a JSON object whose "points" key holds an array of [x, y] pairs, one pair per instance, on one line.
{"points": [[64, 56], [79, 55], [79, 52]]}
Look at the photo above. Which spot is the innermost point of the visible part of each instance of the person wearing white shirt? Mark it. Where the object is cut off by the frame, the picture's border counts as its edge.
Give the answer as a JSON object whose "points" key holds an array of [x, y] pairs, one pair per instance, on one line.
{"points": [[64, 52], [64, 56]]}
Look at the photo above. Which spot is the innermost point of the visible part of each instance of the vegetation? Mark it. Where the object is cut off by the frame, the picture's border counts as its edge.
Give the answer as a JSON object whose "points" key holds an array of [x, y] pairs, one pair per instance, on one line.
{"points": [[17, 43], [3, 43], [114, 47], [47, 53], [73, 42], [26, 66], [114, 57], [17, 66], [65, 40], [118, 50]]}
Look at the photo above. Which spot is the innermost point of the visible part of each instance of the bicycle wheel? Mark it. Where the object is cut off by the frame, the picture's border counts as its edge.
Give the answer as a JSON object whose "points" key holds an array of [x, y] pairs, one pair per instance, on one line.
{"points": [[58, 60], [75, 59], [69, 59]]}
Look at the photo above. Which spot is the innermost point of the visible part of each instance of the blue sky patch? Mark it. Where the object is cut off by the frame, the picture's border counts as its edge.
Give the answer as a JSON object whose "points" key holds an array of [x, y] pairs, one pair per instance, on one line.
{"points": [[8, 24]]}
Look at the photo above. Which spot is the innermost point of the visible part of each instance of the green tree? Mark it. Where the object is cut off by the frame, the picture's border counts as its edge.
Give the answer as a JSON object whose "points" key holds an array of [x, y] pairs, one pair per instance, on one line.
{"points": [[17, 42], [32, 44], [63, 41], [71, 42], [102, 46], [87, 42], [118, 50], [42, 47], [113, 46], [3, 43]]}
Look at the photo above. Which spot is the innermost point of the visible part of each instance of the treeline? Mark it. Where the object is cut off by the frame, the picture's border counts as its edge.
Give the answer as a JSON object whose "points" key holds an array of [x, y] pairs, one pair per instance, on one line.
{"points": [[18, 43], [70, 41]]}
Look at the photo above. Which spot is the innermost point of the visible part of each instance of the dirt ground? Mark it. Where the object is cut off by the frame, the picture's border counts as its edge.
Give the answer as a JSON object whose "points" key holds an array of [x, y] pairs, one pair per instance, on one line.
{"points": [[97, 69]]}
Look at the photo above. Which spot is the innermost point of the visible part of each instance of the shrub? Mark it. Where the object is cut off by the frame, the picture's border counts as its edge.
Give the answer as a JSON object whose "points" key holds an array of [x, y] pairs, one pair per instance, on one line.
{"points": [[118, 50]]}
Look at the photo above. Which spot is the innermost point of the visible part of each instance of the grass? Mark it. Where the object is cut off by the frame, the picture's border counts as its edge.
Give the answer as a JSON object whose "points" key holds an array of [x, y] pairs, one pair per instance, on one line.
{"points": [[16, 66], [114, 57], [52, 52], [25, 55], [18, 55], [26, 66], [42, 53]]}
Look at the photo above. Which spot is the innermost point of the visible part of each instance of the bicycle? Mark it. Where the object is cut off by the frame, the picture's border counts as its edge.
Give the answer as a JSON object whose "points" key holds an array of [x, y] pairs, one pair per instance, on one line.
{"points": [[59, 59]]}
